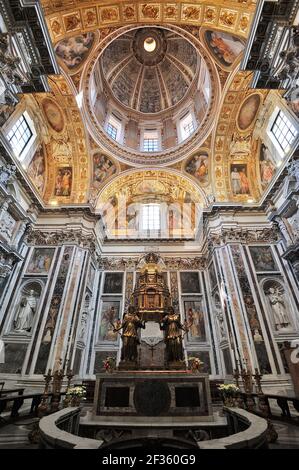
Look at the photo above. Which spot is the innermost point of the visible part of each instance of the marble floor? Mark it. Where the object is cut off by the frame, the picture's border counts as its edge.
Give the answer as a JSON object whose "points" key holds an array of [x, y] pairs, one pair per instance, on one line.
{"points": [[15, 435], [288, 436]]}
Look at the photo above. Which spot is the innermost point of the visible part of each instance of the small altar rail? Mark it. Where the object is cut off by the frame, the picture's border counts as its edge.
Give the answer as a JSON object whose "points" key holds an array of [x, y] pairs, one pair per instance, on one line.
{"points": [[251, 402], [247, 431], [59, 431]]}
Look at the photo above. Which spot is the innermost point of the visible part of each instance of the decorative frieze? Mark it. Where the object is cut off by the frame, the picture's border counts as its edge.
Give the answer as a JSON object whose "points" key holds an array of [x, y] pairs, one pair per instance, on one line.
{"points": [[48, 238], [241, 235], [7, 261], [113, 263]]}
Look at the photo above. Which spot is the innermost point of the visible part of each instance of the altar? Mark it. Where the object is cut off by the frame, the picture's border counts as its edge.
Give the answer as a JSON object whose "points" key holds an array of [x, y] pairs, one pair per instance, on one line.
{"points": [[152, 378], [166, 395]]}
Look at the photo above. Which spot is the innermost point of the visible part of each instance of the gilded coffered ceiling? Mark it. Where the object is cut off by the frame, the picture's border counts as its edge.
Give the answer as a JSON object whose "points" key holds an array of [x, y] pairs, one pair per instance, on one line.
{"points": [[82, 165]]}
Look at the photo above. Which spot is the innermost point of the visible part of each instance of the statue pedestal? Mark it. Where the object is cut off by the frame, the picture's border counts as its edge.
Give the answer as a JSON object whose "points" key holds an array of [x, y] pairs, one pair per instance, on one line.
{"points": [[157, 394]]}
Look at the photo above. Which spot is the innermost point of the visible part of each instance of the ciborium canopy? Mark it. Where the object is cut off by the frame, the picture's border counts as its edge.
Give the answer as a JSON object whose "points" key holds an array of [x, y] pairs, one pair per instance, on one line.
{"points": [[151, 295]]}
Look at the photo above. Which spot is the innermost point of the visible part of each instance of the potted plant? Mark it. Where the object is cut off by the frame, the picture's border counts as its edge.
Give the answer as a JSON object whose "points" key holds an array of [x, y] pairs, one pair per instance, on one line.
{"points": [[194, 363], [76, 394], [229, 393], [109, 364]]}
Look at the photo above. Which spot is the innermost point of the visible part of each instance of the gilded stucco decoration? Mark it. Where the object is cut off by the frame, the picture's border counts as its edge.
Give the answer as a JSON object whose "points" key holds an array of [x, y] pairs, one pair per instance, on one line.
{"points": [[169, 155], [228, 162], [235, 150], [65, 145], [67, 17], [120, 201]]}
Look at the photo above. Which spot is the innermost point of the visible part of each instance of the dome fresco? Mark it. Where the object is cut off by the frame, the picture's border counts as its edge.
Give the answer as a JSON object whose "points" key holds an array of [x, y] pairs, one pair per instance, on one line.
{"points": [[149, 81]]}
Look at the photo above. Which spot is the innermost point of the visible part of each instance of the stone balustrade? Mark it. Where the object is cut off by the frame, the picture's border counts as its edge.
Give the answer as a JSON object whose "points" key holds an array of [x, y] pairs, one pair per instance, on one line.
{"points": [[58, 431]]}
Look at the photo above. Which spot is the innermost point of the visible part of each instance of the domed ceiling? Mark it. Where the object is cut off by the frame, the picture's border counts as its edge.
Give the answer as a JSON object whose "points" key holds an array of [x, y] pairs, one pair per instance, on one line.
{"points": [[150, 69]]}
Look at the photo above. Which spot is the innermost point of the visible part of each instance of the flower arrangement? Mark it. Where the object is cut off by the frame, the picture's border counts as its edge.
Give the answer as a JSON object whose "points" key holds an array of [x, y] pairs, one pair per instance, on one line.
{"points": [[109, 364], [78, 391], [228, 389], [195, 363], [74, 395], [229, 392]]}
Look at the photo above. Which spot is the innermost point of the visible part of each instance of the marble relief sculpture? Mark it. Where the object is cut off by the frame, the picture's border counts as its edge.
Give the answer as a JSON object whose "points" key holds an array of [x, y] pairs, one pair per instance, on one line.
{"points": [[25, 313]]}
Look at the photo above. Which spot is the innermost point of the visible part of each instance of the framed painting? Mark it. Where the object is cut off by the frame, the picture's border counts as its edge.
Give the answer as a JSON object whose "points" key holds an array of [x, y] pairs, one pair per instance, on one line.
{"points": [[37, 169], [267, 166], [248, 111], [54, 114], [204, 356], [190, 282], [113, 283], [262, 258], [40, 261], [110, 313], [239, 179], [63, 181], [194, 317]]}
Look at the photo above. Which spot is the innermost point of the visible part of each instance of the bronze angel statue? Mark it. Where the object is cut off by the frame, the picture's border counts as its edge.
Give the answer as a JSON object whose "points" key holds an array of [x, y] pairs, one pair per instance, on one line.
{"points": [[130, 326], [172, 326]]}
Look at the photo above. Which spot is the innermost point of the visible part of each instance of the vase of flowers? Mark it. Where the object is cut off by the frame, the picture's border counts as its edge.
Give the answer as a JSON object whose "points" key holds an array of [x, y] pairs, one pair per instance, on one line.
{"points": [[109, 364], [194, 363], [75, 395], [229, 393]]}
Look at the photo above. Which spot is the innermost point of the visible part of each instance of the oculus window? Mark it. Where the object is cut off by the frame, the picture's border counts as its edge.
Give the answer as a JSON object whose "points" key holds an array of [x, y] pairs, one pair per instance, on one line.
{"points": [[151, 217], [283, 131], [19, 135]]}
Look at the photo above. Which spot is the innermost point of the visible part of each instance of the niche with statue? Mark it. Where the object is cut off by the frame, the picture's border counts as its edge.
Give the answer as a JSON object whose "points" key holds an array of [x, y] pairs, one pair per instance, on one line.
{"points": [[278, 306], [25, 309]]}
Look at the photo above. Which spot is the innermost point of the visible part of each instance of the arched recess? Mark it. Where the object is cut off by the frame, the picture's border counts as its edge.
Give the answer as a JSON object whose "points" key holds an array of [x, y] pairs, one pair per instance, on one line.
{"points": [[279, 305], [181, 201], [25, 310]]}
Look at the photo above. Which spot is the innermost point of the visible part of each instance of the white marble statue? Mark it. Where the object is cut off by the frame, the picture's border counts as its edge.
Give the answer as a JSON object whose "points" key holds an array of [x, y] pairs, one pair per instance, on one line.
{"points": [[83, 326], [278, 307], [25, 313]]}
